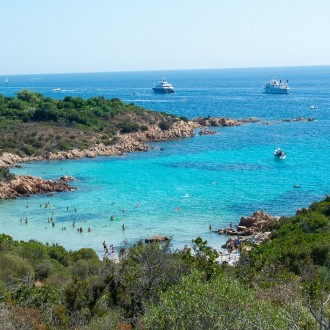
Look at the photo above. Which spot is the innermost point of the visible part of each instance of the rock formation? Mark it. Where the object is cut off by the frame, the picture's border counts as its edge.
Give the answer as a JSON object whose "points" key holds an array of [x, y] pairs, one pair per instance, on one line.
{"points": [[28, 185], [298, 119], [250, 225], [207, 132], [221, 121]]}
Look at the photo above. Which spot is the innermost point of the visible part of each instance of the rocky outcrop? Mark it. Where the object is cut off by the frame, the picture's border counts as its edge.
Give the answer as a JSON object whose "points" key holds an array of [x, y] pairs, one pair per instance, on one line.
{"points": [[221, 121], [28, 185], [250, 225], [236, 243], [207, 132], [8, 159], [67, 178], [131, 142], [253, 227], [298, 119]]}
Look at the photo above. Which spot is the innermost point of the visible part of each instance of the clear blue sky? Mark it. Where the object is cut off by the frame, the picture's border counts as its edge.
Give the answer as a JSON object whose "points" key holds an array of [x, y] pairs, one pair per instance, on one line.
{"points": [[55, 36]]}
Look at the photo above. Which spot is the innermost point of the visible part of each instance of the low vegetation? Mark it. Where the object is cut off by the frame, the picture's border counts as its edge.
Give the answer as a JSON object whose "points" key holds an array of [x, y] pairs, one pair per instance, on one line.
{"points": [[282, 284], [31, 124], [5, 174]]}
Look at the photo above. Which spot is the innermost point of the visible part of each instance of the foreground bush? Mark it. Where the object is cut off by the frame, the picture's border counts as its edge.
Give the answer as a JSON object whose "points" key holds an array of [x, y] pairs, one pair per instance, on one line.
{"points": [[222, 303]]}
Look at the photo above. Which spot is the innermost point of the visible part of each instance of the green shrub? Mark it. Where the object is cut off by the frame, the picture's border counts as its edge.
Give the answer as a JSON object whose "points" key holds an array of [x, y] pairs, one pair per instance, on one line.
{"points": [[86, 268], [14, 269], [164, 125], [129, 127], [219, 304], [5, 174], [63, 145], [28, 149]]}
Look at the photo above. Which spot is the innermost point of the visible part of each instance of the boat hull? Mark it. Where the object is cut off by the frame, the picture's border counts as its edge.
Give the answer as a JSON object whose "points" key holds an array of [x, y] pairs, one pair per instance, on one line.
{"points": [[276, 91], [163, 91], [279, 154]]}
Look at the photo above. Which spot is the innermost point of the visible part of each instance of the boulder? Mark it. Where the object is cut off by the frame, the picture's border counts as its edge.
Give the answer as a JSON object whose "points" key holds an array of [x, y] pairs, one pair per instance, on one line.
{"points": [[67, 178], [241, 228]]}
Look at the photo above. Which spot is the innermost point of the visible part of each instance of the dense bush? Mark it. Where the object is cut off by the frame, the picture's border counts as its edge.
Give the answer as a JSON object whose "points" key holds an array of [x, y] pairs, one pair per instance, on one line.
{"points": [[5, 174], [164, 125], [221, 303]]}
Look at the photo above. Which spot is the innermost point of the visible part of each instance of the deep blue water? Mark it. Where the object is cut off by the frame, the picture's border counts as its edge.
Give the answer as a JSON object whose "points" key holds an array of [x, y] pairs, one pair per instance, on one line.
{"points": [[194, 182]]}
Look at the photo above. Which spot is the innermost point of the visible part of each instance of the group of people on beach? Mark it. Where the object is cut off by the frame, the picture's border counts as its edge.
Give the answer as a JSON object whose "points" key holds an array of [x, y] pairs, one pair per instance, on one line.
{"points": [[106, 250]]}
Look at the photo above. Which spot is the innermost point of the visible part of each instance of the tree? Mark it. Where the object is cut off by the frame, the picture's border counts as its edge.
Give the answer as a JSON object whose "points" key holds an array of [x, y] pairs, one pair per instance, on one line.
{"points": [[318, 293], [205, 256], [147, 270]]}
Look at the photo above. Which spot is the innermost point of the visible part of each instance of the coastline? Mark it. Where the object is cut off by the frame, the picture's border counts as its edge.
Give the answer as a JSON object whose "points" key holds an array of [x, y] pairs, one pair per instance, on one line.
{"points": [[130, 142]]}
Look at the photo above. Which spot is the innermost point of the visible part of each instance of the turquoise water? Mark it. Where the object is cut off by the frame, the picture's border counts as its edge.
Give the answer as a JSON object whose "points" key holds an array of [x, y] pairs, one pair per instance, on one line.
{"points": [[194, 182]]}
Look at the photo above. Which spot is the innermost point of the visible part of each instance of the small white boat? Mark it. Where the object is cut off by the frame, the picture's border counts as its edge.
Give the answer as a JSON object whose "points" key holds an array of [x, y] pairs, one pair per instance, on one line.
{"points": [[277, 87], [57, 89], [163, 87], [6, 80], [279, 153], [313, 107]]}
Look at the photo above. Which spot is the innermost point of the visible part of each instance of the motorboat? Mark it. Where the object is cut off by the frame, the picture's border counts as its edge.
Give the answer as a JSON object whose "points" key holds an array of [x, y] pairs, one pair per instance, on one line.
{"points": [[57, 89], [163, 87], [275, 86], [313, 107], [279, 153]]}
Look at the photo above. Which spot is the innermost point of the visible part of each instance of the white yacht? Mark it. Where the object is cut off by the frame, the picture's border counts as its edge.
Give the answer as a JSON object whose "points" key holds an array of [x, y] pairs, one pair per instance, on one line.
{"points": [[163, 87], [277, 87], [279, 153]]}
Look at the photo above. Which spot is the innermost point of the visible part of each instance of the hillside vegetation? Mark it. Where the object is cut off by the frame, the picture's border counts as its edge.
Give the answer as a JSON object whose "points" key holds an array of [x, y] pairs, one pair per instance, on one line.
{"points": [[31, 124], [282, 284]]}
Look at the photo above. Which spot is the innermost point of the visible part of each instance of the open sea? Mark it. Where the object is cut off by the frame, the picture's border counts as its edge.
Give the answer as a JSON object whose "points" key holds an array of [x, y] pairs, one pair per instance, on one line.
{"points": [[193, 182]]}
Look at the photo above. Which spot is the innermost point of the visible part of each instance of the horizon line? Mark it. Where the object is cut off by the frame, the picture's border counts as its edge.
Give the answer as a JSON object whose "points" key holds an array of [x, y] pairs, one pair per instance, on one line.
{"points": [[162, 70]]}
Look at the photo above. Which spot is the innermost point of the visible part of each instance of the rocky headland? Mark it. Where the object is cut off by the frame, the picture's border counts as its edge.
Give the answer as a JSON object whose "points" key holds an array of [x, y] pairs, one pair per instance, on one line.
{"points": [[26, 185], [130, 142]]}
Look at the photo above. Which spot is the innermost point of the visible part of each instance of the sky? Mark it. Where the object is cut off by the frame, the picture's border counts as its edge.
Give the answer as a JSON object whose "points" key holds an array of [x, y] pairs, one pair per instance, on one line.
{"points": [[68, 36]]}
